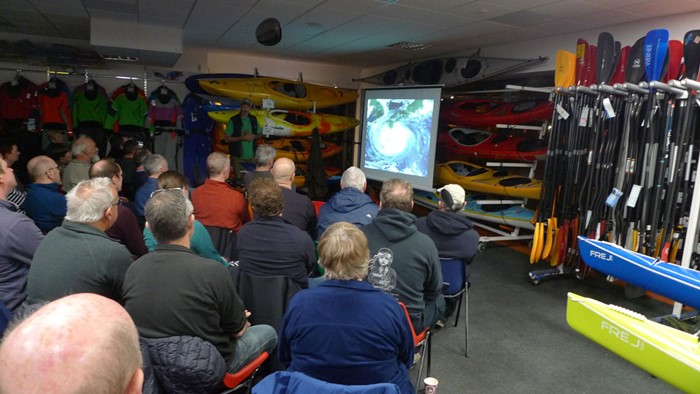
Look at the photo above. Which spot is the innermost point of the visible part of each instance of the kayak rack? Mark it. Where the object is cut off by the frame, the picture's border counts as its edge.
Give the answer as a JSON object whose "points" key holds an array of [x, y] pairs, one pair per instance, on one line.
{"points": [[503, 235]]}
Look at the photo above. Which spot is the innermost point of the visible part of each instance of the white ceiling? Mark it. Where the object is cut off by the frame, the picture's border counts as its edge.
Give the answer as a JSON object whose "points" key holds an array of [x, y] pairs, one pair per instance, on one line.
{"points": [[350, 32]]}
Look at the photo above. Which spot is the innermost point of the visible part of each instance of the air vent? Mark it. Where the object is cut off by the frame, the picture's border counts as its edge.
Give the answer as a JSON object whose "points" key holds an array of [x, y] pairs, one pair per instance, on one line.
{"points": [[120, 58], [413, 46]]}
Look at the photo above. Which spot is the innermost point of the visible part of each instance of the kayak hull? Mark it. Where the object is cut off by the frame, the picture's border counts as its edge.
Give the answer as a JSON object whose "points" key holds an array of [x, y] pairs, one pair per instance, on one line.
{"points": [[488, 113], [468, 143], [485, 180], [286, 123], [669, 354], [510, 215], [669, 280], [285, 93]]}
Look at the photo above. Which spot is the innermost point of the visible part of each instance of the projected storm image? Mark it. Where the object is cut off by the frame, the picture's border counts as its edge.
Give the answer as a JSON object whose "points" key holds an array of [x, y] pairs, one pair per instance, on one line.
{"points": [[398, 135]]}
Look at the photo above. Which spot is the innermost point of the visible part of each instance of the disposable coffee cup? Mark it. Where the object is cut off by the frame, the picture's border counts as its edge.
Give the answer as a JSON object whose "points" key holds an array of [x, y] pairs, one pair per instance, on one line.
{"points": [[430, 385]]}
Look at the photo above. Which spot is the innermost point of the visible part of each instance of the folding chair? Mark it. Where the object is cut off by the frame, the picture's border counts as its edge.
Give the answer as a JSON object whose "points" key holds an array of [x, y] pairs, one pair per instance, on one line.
{"points": [[454, 274], [243, 378], [422, 341]]}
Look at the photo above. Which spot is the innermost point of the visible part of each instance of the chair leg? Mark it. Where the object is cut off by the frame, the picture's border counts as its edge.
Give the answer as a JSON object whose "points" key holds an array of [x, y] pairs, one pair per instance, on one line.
{"points": [[429, 343], [466, 322], [420, 368], [459, 308]]}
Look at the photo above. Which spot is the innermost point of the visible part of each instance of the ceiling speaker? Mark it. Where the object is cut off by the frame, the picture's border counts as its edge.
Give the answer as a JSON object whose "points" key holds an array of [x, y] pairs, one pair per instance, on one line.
{"points": [[269, 32]]}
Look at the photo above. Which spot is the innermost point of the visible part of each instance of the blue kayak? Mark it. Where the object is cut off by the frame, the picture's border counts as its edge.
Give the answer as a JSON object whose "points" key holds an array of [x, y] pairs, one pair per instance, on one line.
{"points": [[663, 278]]}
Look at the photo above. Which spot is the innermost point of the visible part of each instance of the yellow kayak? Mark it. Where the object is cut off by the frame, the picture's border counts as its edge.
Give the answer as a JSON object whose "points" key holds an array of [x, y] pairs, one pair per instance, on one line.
{"points": [[285, 123], [298, 150], [669, 354], [286, 94], [485, 180]]}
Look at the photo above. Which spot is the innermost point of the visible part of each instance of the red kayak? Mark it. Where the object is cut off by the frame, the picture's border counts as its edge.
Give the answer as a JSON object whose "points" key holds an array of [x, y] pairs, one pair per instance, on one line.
{"points": [[489, 113], [463, 144]]}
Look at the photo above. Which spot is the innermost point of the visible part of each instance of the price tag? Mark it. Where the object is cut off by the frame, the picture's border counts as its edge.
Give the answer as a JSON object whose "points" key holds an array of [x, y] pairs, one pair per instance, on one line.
{"points": [[607, 105], [268, 103], [634, 195], [613, 198], [583, 122], [562, 112]]}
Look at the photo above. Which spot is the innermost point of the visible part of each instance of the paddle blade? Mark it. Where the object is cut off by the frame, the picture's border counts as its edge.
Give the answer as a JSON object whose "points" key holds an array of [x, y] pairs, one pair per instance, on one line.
{"points": [[581, 53], [605, 57], [619, 74], [591, 64], [691, 53], [655, 47], [634, 71], [675, 55], [565, 67]]}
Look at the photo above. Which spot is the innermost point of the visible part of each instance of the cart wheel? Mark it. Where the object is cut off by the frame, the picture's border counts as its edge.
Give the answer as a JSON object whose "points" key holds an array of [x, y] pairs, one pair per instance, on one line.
{"points": [[481, 247]]}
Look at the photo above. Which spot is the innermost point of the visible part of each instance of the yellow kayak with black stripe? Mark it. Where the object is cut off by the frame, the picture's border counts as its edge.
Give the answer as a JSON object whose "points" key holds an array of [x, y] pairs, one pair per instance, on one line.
{"points": [[286, 123], [286, 93], [486, 180]]}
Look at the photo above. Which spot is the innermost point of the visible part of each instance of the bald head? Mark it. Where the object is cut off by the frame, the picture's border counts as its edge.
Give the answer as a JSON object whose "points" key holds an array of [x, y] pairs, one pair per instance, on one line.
{"points": [[43, 169], [82, 343], [283, 171]]}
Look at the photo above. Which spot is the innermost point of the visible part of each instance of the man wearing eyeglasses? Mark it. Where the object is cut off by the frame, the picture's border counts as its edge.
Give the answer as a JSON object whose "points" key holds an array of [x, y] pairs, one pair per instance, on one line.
{"points": [[78, 257], [19, 238], [45, 204]]}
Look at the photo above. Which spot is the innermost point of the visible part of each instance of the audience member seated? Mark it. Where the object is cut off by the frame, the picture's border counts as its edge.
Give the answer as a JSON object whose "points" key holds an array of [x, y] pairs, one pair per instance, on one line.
{"points": [[350, 204], [141, 174], [270, 245], [128, 165], [298, 209], [19, 238], [453, 234], [366, 337], [10, 153], [216, 203], [200, 243], [126, 229], [78, 257], [61, 154], [84, 151], [82, 343], [154, 166], [45, 204], [173, 292], [264, 158], [405, 261]]}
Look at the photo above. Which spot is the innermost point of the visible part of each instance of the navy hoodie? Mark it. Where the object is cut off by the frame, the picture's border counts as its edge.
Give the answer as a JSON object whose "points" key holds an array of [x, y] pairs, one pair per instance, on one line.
{"points": [[348, 205], [453, 234]]}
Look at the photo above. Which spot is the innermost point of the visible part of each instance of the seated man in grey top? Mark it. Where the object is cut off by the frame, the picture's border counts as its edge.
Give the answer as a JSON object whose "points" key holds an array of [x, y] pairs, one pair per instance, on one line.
{"points": [[264, 158], [78, 257]]}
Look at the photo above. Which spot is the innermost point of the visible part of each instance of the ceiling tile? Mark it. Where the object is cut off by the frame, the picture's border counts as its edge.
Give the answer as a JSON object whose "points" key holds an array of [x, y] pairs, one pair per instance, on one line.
{"points": [[523, 19], [527, 4], [610, 18], [661, 8], [569, 8], [482, 10], [435, 5]]}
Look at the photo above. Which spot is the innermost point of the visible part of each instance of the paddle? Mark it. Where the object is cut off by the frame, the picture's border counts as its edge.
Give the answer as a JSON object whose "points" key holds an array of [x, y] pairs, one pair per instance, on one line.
{"points": [[655, 48], [683, 145], [675, 55], [564, 69], [619, 75], [605, 57], [635, 71], [581, 55]]}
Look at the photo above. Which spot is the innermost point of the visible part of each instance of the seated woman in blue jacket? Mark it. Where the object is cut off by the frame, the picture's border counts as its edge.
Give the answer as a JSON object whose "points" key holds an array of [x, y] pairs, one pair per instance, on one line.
{"points": [[346, 331]]}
